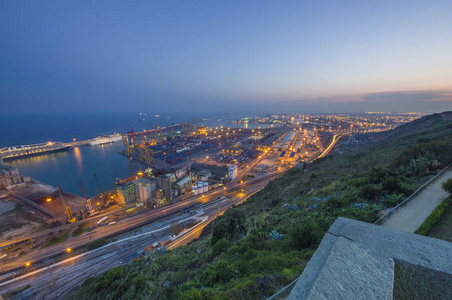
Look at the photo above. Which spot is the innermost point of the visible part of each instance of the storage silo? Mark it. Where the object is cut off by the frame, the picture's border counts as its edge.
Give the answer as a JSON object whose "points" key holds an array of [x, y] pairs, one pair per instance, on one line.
{"points": [[200, 188], [195, 190], [205, 187]]}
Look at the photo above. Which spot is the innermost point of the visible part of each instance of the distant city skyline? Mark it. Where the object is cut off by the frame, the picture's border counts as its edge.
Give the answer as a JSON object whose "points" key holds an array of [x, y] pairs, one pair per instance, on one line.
{"points": [[259, 56]]}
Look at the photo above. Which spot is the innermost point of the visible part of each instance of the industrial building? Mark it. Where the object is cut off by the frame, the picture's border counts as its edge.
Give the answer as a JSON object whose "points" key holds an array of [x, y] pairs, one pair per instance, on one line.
{"points": [[127, 194], [217, 173], [10, 177], [145, 188], [200, 188], [183, 184], [165, 187], [286, 141]]}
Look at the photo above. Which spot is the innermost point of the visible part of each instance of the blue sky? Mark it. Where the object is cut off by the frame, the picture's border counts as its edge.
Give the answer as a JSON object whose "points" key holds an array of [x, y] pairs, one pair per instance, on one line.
{"points": [[262, 56]]}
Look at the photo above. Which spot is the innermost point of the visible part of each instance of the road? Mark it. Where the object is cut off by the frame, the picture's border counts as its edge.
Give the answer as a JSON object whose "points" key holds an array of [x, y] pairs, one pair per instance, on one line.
{"points": [[412, 215], [52, 280], [332, 144]]}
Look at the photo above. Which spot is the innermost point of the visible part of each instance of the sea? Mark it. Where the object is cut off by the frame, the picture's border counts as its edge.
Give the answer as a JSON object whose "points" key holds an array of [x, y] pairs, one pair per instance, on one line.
{"points": [[66, 168]]}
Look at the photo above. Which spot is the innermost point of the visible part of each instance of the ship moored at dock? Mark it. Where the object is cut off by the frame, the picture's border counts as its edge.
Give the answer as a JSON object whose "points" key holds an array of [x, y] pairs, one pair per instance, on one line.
{"points": [[105, 139], [13, 152]]}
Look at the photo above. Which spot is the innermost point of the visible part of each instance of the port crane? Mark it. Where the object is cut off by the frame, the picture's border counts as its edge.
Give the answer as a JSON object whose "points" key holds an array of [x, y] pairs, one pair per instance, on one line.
{"points": [[70, 217]]}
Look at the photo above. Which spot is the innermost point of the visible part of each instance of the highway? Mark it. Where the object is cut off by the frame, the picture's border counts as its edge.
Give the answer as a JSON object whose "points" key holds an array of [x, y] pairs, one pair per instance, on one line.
{"points": [[122, 225], [52, 280], [332, 144]]}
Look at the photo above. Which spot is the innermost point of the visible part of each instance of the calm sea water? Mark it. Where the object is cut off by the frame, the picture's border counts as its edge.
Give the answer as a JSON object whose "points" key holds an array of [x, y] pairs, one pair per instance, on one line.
{"points": [[66, 168]]}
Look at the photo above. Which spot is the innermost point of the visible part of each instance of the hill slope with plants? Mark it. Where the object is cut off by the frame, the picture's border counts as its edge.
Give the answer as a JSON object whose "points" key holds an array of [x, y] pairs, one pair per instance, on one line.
{"points": [[258, 247]]}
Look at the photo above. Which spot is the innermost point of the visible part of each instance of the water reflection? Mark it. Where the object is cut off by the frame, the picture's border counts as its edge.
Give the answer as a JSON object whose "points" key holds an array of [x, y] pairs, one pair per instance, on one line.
{"points": [[78, 159]]}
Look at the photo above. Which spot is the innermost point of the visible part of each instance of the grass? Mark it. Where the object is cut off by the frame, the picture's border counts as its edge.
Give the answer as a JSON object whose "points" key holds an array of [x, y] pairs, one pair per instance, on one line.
{"points": [[80, 229], [96, 244], [443, 228], [56, 240], [10, 225]]}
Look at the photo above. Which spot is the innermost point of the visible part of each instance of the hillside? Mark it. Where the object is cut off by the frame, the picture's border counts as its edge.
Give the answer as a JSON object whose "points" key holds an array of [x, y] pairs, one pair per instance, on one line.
{"points": [[258, 247]]}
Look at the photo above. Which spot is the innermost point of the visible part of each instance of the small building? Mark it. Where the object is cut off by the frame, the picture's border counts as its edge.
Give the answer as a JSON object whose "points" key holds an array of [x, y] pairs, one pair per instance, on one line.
{"points": [[204, 174], [181, 172], [127, 194], [171, 176]]}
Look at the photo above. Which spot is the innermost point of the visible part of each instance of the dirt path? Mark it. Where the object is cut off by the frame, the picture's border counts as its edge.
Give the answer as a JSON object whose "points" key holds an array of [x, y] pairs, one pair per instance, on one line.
{"points": [[412, 215]]}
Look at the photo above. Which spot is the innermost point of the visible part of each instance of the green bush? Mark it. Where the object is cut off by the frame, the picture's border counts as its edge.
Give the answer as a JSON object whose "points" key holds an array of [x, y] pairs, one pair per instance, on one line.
{"points": [[220, 271], [393, 200], [390, 185], [229, 225], [369, 192], [447, 185], [434, 217], [221, 246], [307, 234], [338, 202], [288, 273]]}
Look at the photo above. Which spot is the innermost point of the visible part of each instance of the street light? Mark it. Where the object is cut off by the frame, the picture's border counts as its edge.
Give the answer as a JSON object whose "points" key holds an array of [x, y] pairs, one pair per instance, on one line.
{"points": [[68, 250], [49, 199], [27, 264]]}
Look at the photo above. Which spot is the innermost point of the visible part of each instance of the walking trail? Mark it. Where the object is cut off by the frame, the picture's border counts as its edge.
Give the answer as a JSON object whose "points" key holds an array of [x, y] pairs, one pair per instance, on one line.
{"points": [[412, 215]]}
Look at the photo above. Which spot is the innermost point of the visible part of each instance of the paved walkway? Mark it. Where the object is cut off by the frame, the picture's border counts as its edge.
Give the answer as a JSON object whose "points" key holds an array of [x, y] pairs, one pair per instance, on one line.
{"points": [[413, 214]]}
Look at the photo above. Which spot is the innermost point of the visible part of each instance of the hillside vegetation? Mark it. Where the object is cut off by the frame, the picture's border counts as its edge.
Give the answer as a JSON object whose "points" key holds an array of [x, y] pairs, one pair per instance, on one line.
{"points": [[258, 247]]}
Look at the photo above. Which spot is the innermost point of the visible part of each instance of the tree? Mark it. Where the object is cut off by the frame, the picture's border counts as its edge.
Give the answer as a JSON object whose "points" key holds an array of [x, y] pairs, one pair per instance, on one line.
{"points": [[447, 185], [229, 226]]}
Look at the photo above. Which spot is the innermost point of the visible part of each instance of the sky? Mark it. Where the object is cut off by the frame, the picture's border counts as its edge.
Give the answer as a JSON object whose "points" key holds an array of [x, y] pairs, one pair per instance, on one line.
{"points": [[257, 56]]}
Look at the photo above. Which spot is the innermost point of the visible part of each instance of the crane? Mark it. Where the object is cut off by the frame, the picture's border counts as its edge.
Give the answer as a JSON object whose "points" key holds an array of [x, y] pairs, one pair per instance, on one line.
{"points": [[102, 195], [70, 217], [83, 190], [88, 202]]}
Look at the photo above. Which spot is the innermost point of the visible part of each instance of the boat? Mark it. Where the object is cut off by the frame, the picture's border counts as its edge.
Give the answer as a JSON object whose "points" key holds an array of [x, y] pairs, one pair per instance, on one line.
{"points": [[157, 116], [105, 139], [15, 152]]}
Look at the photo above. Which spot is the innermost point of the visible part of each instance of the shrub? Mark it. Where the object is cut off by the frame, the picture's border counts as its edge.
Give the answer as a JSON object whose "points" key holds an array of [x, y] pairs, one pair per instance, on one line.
{"points": [[220, 271], [393, 200], [305, 235], [447, 185], [390, 185], [338, 202], [288, 273], [434, 217], [221, 246], [369, 192], [229, 226]]}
